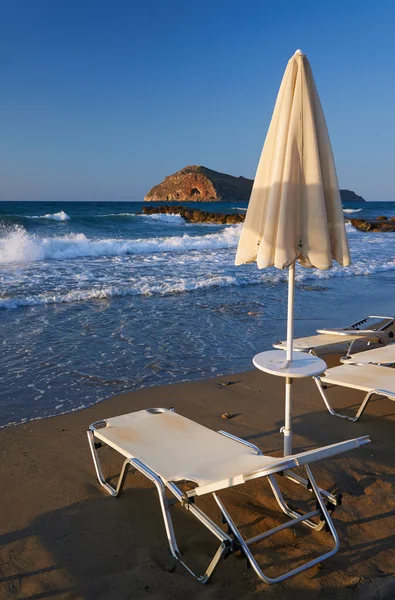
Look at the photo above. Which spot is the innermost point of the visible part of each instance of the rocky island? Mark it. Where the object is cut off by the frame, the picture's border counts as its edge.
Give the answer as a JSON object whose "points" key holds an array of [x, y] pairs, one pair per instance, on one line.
{"points": [[350, 196], [200, 184]]}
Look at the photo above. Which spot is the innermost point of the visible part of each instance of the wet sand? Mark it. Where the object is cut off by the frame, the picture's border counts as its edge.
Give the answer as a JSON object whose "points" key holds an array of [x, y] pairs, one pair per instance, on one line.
{"points": [[63, 537]]}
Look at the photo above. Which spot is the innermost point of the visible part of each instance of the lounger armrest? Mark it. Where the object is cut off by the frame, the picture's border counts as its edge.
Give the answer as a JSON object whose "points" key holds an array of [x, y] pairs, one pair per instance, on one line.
{"points": [[241, 441], [287, 462], [330, 451]]}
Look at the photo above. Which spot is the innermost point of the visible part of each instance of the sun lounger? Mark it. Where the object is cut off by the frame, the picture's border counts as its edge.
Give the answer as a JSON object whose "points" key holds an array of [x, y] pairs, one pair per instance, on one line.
{"points": [[369, 378], [171, 451], [385, 355], [370, 327]]}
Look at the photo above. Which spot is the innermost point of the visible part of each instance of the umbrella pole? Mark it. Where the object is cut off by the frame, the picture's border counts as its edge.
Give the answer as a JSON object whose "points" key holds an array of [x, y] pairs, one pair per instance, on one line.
{"points": [[287, 430]]}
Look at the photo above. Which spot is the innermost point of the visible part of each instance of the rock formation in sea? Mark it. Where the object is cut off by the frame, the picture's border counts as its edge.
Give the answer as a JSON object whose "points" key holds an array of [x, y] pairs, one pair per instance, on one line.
{"points": [[380, 223], [200, 184]]}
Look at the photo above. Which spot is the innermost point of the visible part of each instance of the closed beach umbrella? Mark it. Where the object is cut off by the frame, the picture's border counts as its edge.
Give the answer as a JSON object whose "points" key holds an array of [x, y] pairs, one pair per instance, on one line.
{"points": [[295, 211]]}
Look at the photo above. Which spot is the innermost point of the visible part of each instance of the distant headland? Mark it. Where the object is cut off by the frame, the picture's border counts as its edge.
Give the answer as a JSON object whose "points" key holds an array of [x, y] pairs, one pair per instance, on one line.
{"points": [[200, 184]]}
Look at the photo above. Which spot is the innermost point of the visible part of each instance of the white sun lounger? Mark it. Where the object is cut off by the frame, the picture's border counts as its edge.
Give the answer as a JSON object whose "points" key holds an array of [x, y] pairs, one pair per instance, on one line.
{"points": [[370, 327], [171, 450], [385, 355], [372, 379]]}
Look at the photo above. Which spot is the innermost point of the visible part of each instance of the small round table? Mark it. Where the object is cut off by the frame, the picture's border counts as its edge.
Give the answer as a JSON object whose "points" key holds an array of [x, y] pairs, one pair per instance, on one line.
{"points": [[302, 365]]}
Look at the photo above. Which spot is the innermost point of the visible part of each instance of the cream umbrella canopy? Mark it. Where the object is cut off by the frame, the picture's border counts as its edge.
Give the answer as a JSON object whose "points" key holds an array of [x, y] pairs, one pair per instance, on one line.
{"points": [[295, 211]]}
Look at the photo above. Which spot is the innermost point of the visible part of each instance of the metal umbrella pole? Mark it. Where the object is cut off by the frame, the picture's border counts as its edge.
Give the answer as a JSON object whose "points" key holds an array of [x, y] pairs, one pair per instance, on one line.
{"points": [[287, 429]]}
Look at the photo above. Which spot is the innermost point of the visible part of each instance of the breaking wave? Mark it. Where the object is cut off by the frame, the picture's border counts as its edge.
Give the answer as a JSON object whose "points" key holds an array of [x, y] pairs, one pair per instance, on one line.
{"points": [[59, 216], [18, 246], [351, 210]]}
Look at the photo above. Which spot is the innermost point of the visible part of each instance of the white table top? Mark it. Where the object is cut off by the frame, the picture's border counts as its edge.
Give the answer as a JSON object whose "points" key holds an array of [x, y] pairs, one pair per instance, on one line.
{"points": [[302, 365]]}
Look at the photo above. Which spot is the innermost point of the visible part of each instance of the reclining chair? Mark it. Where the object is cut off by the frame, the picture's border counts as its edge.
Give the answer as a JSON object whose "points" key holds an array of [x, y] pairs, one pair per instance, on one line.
{"points": [[171, 450]]}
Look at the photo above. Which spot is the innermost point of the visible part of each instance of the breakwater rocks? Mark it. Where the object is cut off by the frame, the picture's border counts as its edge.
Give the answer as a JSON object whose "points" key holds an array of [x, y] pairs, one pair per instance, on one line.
{"points": [[194, 215], [190, 215], [381, 224]]}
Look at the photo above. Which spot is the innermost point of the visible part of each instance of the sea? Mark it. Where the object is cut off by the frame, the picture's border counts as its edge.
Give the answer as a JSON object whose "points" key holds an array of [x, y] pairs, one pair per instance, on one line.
{"points": [[97, 299]]}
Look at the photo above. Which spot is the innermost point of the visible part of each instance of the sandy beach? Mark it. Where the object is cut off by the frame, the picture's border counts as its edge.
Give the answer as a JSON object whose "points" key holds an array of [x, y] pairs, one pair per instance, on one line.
{"points": [[64, 537]]}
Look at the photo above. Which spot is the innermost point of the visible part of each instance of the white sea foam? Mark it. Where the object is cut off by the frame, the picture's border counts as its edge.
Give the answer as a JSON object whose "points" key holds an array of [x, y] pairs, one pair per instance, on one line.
{"points": [[171, 284], [59, 216], [165, 218], [117, 215], [210, 264], [142, 289], [351, 210], [21, 247], [171, 217]]}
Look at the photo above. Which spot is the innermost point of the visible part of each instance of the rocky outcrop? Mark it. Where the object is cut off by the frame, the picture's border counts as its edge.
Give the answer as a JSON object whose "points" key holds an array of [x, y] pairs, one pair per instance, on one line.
{"points": [[200, 216], [200, 184], [194, 215], [375, 225]]}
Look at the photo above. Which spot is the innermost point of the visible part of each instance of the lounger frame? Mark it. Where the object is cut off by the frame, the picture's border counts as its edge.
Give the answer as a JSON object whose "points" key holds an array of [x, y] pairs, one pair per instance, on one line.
{"points": [[232, 541], [322, 387], [367, 335]]}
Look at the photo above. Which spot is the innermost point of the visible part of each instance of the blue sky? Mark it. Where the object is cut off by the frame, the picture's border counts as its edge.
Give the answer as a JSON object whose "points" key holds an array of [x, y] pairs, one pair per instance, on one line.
{"points": [[100, 100]]}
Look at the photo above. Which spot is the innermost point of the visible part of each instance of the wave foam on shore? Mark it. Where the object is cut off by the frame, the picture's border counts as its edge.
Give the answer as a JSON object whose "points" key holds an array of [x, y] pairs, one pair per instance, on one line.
{"points": [[18, 246]]}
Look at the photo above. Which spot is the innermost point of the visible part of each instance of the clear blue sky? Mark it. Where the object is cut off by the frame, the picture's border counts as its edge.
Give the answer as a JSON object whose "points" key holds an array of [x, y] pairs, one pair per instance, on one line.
{"points": [[102, 99]]}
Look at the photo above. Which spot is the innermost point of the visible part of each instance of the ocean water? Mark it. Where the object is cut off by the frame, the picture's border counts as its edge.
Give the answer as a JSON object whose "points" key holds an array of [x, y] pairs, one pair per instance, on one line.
{"points": [[96, 299]]}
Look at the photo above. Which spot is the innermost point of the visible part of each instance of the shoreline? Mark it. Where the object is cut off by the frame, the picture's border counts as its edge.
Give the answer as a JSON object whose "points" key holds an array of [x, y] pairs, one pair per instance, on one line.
{"points": [[164, 384], [303, 327], [64, 537]]}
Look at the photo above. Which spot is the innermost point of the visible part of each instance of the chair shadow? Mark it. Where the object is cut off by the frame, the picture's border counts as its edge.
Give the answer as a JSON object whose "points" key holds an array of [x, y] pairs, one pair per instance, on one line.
{"points": [[117, 548]]}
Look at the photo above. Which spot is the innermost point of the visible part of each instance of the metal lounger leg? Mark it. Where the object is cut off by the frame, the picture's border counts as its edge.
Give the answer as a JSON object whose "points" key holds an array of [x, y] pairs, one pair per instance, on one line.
{"points": [[336, 414], [288, 510], [96, 461], [225, 539], [245, 543], [335, 500]]}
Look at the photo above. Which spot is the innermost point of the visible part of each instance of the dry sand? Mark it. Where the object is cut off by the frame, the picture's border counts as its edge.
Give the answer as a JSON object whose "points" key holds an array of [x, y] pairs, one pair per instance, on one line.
{"points": [[62, 536]]}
